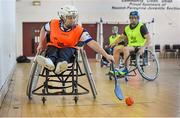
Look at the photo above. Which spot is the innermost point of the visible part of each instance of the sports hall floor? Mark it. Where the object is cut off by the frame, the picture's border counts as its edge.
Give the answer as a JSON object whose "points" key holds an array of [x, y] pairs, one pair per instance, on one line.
{"points": [[159, 98]]}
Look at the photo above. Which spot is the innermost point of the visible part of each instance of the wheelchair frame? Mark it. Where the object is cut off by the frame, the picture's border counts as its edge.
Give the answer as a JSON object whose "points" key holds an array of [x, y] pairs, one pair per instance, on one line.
{"points": [[139, 62], [63, 78]]}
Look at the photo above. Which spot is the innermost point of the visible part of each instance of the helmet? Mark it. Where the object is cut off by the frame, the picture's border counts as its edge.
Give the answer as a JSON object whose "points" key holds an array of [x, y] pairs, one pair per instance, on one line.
{"points": [[134, 13], [68, 10], [115, 29]]}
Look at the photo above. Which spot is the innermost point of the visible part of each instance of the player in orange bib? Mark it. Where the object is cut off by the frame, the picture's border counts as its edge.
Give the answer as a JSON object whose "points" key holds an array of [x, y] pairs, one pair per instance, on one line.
{"points": [[65, 34]]}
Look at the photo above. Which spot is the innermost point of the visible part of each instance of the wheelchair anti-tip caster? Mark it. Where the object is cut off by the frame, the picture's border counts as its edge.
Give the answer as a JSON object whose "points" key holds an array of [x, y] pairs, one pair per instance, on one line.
{"points": [[43, 100], [76, 99], [126, 78]]}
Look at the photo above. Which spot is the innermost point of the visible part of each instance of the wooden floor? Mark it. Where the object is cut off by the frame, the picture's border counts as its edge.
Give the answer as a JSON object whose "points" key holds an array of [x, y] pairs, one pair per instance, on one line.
{"points": [[160, 98]]}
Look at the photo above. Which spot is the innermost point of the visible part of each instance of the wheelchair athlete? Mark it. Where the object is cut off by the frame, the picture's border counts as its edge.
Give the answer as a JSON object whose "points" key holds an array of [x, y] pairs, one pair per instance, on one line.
{"points": [[137, 35], [112, 39], [65, 33]]}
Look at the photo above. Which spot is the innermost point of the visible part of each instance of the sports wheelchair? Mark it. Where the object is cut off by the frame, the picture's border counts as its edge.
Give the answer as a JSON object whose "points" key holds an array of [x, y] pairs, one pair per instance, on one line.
{"points": [[147, 64], [66, 83]]}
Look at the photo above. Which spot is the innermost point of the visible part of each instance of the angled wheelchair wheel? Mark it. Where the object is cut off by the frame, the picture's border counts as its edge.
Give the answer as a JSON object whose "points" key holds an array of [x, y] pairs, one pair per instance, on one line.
{"points": [[88, 73], [33, 79], [148, 65]]}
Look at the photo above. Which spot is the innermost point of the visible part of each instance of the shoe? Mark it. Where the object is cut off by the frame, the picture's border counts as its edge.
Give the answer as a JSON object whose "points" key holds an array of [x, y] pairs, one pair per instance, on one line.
{"points": [[116, 71], [119, 71], [123, 72], [61, 66], [45, 62]]}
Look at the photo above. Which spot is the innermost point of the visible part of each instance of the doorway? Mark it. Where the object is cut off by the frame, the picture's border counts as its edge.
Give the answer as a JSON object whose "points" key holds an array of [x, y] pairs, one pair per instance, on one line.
{"points": [[31, 32]]}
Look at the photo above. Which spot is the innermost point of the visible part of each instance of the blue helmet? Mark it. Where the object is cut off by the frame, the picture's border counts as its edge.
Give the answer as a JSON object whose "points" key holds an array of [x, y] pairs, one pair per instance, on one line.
{"points": [[134, 13]]}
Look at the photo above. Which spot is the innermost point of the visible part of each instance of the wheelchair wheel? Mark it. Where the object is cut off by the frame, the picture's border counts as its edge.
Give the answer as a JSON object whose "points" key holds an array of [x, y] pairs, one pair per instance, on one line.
{"points": [[33, 79], [148, 65], [88, 73]]}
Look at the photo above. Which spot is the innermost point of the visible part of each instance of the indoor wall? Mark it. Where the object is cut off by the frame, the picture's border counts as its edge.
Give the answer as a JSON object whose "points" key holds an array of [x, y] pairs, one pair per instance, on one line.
{"points": [[164, 30]]}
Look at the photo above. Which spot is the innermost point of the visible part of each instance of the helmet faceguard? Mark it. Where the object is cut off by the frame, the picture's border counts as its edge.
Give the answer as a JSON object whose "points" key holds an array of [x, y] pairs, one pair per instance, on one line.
{"points": [[68, 11], [115, 29]]}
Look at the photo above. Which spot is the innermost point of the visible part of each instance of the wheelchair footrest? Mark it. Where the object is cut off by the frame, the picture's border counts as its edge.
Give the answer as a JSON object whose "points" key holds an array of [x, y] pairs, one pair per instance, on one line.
{"points": [[62, 93], [55, 87], [72, 90]]}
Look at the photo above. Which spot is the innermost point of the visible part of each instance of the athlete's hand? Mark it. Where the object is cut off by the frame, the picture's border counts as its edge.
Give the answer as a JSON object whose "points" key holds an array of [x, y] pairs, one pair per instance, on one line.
{"points": [[39, 48], [110, 58], [141, 50]]}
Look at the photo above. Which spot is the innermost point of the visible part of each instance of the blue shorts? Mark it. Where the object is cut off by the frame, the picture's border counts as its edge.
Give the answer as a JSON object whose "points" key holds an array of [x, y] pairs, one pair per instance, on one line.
{"points": [[60, 54]]}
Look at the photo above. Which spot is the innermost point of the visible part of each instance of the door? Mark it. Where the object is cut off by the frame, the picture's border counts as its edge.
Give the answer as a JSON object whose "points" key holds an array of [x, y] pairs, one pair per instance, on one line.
{"points": [[31, 32]]}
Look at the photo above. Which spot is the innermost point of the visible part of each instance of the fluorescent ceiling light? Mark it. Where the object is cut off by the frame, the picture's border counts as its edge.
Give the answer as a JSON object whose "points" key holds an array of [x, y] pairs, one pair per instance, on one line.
{"points": [[36, 3]]}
